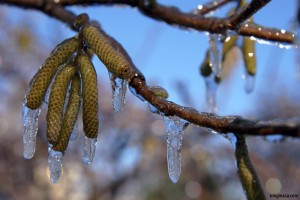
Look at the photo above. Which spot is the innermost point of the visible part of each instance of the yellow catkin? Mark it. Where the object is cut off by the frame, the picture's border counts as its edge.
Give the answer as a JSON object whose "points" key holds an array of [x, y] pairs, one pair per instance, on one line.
{"points": [[249, 55], [56, 102], [115, 62], [229, 43], [70, 116], [60, 55], [89, 96]]}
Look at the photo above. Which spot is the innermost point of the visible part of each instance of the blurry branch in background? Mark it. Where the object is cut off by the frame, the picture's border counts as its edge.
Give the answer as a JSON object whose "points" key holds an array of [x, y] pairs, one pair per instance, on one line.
{"points": [[227, 124]]}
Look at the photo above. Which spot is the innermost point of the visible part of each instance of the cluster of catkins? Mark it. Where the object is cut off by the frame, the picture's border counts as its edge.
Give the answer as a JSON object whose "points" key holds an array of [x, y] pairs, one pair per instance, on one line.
{"points": [[73, 79]]}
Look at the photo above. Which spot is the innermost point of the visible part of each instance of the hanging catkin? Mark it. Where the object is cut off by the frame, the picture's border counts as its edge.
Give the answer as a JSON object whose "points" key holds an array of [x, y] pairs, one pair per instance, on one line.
{"points": [[56, 102], [70, 116], [60, 55], [89, 96]]}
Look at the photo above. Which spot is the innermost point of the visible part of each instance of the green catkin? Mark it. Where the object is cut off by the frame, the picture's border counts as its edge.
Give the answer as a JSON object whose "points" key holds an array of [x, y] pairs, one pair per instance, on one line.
{"points": [[205, 68], [70, 116], [249, 55], [114, 61], [229, 43], [89, 96], [56, 102], [159, 92], [60, 55]]}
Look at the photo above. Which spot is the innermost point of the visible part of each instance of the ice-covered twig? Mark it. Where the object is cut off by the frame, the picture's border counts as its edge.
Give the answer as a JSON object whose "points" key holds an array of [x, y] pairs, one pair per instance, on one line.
{"points": [[247, 12], [222, 124]]}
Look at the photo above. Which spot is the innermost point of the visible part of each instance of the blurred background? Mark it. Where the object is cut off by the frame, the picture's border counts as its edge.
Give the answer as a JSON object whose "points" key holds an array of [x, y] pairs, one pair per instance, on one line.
{"points": [[130, 161]]}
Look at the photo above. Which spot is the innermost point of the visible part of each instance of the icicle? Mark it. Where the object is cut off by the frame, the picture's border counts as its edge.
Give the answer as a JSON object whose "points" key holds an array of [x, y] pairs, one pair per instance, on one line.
{"points": [[232, 139], [174, 129], [88, 149], [55, 165], [119, 87], [75, 132], [30, 125], [216, 46], [249, 82], [211, 91]]}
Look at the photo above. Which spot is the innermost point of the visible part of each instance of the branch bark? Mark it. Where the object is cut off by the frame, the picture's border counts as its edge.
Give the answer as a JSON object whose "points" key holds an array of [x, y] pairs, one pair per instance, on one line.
{"points": [[170, 15]]}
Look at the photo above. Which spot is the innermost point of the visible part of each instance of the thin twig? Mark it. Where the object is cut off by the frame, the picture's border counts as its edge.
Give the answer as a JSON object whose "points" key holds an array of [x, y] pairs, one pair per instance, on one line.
{"points": [[211, 6], [247, 12]]}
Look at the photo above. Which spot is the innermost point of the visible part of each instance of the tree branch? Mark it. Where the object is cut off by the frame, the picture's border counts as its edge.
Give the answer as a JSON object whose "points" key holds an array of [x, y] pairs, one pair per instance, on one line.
{"points": [[247, 12], [211, 6], [170, 15], [226, 124]]}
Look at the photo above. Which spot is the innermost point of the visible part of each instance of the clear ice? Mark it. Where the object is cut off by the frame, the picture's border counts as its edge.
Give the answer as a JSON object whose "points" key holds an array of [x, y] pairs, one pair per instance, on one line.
{"points": [[88, 149], [75, 132], [133, 91], [232, 139], [211, 93], [30, 125], [174, 129], [216, 47], [55, 165], [119, 87]]}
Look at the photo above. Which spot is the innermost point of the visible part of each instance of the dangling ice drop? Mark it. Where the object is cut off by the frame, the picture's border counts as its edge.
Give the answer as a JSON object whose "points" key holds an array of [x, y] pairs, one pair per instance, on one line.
{"points": [[174, 129], [30, 125], [249, 82], [119, 88], [88, 149], [75, 132], [55, 165], [211, 93]]}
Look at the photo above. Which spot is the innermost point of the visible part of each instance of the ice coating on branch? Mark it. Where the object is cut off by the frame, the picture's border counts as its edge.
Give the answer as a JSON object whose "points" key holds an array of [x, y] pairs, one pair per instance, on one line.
{"points": [[55, 165], [249, 82], [211, 93], [119, 88], [216, 47], [133, 91], [275, 138], [174, 129], [30, 125], [88, 149]]}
